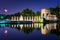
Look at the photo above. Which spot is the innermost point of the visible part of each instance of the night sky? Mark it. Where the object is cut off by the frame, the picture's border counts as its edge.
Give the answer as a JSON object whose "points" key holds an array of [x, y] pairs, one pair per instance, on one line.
{"points": [[14, 6]]}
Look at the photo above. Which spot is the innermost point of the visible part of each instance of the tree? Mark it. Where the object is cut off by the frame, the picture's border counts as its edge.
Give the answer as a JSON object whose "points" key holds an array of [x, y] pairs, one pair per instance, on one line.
{"points": [[17, 14], [58, 11], [27, 12], [53, 11], [2, 17], [38, 13]]}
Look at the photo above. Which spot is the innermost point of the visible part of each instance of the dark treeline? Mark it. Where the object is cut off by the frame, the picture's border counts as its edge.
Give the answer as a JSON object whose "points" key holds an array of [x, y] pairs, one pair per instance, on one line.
{"points": [[27, 12], [56, 11]]}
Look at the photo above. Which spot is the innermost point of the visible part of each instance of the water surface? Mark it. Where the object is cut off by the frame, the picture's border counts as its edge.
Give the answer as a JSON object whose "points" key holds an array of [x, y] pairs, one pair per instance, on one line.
{"points": [[34, 31]]}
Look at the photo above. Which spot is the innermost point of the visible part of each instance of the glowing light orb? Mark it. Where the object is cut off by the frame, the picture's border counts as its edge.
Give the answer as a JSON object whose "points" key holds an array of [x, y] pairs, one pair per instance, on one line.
{"points": [[5, 10], [5, 31]]}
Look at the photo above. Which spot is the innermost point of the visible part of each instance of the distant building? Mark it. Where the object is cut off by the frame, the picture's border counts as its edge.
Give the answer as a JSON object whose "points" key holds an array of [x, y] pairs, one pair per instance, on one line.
{"points": [[45, 13], [17, 18], [25, 18], [51, 17]]}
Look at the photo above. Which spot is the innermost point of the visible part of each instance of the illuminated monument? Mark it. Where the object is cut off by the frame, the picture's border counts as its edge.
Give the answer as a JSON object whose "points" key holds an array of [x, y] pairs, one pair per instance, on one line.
{"points": [[45, 13]]}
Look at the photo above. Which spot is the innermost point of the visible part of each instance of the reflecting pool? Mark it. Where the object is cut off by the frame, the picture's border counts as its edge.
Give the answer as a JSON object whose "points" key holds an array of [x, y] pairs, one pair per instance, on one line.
{"points": [[34, 31]]}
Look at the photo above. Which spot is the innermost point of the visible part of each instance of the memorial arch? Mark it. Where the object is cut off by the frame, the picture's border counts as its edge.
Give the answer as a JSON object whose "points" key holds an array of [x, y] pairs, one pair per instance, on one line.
{"points": [[45, 13]]}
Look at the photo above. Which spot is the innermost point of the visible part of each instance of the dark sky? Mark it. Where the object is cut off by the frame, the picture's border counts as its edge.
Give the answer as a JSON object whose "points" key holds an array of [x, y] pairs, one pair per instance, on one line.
{"points": [[14, 6]]}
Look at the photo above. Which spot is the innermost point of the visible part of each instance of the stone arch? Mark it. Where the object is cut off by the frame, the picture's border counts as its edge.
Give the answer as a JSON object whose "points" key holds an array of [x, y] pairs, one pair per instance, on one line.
{"points": [[45, 13]]}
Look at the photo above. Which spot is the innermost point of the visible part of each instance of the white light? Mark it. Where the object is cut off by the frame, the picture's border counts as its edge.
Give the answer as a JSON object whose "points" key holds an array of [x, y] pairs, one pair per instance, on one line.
{"points": [[5, 10], [5, 31]]}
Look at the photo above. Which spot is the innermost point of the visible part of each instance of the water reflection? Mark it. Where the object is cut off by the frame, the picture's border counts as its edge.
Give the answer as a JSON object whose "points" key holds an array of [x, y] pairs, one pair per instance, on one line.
{"points": [[5, 31], [53, 28], [33, 25], [48, 27]]}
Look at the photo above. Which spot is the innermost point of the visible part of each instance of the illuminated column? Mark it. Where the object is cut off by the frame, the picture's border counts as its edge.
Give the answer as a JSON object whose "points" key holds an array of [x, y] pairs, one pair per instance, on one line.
{"points": [[18, 18], [14, 18], [21, 18], [24, 18], [30, 18]]}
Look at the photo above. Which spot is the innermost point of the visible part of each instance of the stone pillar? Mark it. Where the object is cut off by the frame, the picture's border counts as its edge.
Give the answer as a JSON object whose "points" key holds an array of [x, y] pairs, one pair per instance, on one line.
{"points": [[21, 18]]}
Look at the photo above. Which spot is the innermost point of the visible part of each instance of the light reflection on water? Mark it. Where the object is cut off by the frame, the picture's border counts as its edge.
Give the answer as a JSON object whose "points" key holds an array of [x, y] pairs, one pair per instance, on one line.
{"points": [[49, 26], [44, 29], [28, 28]]}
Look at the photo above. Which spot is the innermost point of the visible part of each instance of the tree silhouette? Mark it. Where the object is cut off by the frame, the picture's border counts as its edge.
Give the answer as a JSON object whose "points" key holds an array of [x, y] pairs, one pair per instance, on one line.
{"points": [[27, 12], [38, 13]]}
